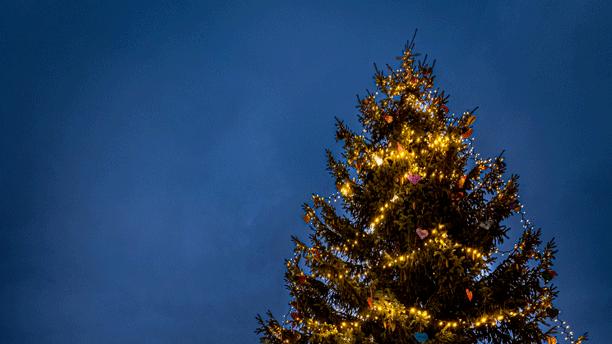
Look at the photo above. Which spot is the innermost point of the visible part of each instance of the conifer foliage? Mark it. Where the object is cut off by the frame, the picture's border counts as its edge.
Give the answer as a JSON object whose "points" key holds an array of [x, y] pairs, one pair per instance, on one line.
{"points": [[410, 248]]}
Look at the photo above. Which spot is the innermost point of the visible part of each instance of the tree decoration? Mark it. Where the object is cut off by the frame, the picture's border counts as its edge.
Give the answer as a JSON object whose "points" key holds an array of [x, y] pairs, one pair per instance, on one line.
{"points": [[548, 274], [461, 181], [421, 337], [362, 244], [470, 120], [469, 294], [551, 340], [400, 148], [422, 233], [414, 178]]}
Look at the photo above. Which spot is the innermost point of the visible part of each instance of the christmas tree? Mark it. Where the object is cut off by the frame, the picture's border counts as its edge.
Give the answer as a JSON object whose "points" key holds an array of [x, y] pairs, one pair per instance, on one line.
{"points": [[410, 249]]}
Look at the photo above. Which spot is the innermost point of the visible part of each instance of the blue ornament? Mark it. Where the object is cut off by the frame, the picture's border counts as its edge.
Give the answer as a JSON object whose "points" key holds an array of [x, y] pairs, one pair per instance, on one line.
{"points": [[421, 337]]}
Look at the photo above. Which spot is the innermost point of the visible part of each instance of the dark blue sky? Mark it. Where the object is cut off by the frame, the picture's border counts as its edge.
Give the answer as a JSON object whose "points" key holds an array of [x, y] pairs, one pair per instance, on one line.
{"points": [[155, 155]]}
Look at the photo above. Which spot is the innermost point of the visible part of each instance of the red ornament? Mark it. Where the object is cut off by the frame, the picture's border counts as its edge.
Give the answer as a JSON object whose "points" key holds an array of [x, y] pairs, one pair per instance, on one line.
{"points": [[469, 294], [388, 118], [370, 302], [444, 108], [302, 279], [295, 316], [467, 133]]}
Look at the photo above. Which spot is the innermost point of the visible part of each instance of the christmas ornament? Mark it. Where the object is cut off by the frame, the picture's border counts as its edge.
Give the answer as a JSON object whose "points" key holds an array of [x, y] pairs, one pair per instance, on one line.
{"points": [[302, 279], [421, 337], [470, 120], [414, 178], [551, 340], [370, 302], [469, 294], [388, 118], [422, 233], [444, 108], [400, 148], [295, 316], [467, 133], [307, 218], [461, 182], [548, 274]]}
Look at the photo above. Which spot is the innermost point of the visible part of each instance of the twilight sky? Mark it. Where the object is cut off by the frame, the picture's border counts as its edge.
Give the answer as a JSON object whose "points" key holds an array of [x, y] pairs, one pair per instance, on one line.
{"points": [[154, 155]]}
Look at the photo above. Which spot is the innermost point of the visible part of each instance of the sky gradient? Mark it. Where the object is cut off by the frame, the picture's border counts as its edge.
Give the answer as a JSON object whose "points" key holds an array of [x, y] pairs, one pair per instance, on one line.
{"points": [[154, 155]]}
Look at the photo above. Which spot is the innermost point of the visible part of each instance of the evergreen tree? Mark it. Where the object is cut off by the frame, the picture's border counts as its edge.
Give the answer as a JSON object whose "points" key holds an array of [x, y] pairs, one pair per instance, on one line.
{"points": [[410, 248]]}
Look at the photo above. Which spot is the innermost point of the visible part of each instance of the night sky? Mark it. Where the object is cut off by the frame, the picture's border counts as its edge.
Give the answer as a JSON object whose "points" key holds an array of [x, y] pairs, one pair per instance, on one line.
{"points": [[155, 155]]}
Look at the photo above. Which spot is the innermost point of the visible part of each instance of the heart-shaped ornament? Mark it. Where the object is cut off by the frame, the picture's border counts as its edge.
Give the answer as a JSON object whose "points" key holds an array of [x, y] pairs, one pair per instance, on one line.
{"points": [[469, 294], [414, 178], [421, 337], [422, 233]]}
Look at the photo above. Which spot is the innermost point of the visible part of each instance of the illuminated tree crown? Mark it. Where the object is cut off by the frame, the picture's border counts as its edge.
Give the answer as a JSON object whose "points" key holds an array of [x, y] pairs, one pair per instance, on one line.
{"points": [[409, 249]]}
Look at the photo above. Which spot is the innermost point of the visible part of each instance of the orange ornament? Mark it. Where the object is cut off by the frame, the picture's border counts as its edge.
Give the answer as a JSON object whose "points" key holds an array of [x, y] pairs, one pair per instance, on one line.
{"points": [[469, 294], [400, 148], [461, 182], [551, 340], [388, 118], [470, 120], [307, 218]]}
